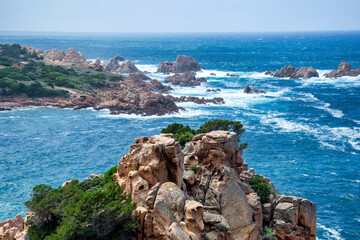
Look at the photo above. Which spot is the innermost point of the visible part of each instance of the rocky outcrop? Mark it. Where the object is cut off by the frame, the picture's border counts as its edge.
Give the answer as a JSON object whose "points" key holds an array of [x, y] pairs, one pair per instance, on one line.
{"points": [[73, 58], [157, 86], [182, 64], [70, 58], [344, 69], [13, 229], [305, 72], [292, 73], [294, 218], [197, 100], [200, 192], [204, 192], [113, 64], [127, 67], [249, 90], [185, 79]]}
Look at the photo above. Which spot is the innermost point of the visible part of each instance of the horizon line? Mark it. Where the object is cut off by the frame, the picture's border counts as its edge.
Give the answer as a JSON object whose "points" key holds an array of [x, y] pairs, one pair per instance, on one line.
{"points": [[193, 32]]}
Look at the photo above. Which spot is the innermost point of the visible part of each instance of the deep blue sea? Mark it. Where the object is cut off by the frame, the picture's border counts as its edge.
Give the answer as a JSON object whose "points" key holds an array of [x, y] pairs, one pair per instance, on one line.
{"points": [[303, 134]]}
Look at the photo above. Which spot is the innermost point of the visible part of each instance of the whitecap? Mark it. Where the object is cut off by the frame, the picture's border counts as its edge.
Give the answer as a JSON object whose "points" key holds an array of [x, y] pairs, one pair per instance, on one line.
{"points": [[330, 233], [189, 113]]}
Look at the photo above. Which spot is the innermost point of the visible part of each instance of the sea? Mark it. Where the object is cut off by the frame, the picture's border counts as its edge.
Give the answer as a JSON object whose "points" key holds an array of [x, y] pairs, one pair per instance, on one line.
{"points": [[303, 133]]}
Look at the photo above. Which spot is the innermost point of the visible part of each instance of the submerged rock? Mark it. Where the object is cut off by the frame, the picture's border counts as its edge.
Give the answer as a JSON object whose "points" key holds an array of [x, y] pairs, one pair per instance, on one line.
{"points": [[249, 90]]}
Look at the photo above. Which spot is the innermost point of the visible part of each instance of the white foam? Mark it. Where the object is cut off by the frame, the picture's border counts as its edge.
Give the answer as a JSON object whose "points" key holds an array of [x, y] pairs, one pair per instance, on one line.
{"points": [[334, 112], [330, 233], [147, 67], [189, 113], [327, 136]]}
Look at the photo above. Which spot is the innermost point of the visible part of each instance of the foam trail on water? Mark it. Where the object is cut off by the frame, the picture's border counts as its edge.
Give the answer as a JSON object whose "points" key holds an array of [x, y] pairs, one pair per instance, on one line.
{"points": [[330, 233]]}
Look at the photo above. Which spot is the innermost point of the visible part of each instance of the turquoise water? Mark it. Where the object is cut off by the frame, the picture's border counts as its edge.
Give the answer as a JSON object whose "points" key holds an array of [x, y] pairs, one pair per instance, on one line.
{"points": [[303, 134]]}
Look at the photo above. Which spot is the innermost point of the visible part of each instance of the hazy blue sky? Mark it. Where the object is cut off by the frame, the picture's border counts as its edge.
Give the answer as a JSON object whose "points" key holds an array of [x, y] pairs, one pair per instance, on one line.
{"points": [[179, 16]]}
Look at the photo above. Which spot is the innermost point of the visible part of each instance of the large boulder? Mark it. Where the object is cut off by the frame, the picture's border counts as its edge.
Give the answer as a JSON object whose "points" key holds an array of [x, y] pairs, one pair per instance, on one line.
{"points": [[181, 65], [285, 71], [304, 72], [294, 218], [344, 69]]}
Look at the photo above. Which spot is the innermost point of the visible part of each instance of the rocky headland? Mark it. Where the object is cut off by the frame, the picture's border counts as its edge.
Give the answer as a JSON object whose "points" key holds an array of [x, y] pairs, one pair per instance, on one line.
{"points": [[67, 80], [204, 191]]}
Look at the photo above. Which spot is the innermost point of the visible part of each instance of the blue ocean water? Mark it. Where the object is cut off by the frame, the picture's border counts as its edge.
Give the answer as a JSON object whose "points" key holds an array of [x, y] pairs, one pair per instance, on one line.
{"points": [[303, 134]]}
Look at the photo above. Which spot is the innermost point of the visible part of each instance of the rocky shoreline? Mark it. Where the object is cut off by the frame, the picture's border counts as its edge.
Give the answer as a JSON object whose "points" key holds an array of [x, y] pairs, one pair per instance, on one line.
{"points": [[134, 94]]}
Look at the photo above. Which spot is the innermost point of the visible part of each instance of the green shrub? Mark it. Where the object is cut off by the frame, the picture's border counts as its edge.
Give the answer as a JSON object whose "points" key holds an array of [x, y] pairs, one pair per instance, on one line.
{"points": [[221, 124], [193, 168], [244, 145], [262, 189], [109, 174], [93, 209], [185, 134], [268, 233]]}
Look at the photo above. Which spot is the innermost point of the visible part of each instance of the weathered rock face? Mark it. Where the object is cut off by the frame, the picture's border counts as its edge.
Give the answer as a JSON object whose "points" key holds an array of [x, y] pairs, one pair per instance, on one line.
{"points": [[249, 90], [181, 65], [113, 64], [290, 72], [127, 67], [304, 72], [13, 229], [344, 69], [200, 192], [294, 218], [155, 160], [70, 58], [185, 79], [204, 192]]}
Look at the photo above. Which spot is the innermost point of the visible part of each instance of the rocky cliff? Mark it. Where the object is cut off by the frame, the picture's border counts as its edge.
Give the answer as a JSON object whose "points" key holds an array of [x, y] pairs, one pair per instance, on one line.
{"points": [[204, 192]]}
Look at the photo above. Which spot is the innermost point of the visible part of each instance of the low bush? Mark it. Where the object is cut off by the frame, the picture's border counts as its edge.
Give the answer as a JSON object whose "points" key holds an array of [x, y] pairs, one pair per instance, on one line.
{"points": [[262, 189], [185, 134]]}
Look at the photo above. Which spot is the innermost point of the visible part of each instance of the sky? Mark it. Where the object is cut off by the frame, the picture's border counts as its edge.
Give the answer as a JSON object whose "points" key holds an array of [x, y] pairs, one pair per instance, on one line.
{"points": [[179, 15]]}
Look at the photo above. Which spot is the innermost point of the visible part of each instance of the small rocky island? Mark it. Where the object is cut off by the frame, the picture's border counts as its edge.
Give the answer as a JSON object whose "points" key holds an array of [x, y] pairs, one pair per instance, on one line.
{"points": [[288, 71], [204, 191]]}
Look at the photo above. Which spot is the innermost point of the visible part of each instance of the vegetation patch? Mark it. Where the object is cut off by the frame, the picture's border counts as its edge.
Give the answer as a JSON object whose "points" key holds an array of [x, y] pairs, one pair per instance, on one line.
{"points": [[93, 209], [184, 134], [36, 79], [262, 189]]}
